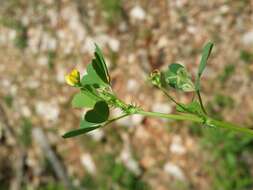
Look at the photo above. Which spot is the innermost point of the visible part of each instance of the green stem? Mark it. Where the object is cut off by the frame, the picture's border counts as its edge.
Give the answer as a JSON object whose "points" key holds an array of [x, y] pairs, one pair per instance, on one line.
{"points": [[115, 119], [231, 126], [189, 117], [198, 119], [200, 101], [173, 100]]}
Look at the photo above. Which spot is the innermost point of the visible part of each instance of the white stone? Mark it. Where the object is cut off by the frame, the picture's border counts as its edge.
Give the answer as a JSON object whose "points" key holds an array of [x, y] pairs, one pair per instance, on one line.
{"points": [[174, 170], [50, 111], [60, 76], [25, 111], [42, 60], [12, 35], [247, 38], [88, 163], [114, 44], [161, 107], [224, 9], [162, 42], [32, 84], [176, 146], [88, 46], [132, 85], [138, 13], [97, 134], [127, 158]]}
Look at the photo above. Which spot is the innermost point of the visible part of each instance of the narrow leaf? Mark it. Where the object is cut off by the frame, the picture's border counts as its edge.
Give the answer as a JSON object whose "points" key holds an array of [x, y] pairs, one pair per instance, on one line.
{"points": [[79, 131], [205, 55], [85, 127]]}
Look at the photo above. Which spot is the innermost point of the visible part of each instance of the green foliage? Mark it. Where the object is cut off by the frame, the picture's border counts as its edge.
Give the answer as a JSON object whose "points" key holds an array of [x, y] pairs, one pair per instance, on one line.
{"points": [[205, 55], [26, 132], [84, 128], [20, 40], [92, 78], [246, 56], [227, 73], [112, 10], [177, 77], [84, 99], [96, 92], [117, 177], [193, 107], [51, 57], [98, 114], [100, 66], [8, 99], [226, 167]]}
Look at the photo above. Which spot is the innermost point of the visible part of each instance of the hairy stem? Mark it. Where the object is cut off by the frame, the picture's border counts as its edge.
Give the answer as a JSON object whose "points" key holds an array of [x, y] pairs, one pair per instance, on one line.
{"points": [[194, 118], [189, 117]]}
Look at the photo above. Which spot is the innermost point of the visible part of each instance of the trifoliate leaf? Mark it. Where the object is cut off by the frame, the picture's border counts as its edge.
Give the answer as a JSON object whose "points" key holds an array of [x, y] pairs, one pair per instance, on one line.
{"points": [[84, 99], [177, 77], [99, 113], [92, 78], [100, 66]]}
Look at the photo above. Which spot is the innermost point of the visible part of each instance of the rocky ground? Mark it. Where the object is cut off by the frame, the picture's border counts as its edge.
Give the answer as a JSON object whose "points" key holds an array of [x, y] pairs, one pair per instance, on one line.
{"points": [[41, 41]]}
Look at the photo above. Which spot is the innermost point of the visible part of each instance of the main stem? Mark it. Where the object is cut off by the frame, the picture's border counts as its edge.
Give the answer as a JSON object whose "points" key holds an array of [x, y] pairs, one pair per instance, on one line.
{"points": [[198, 119]]}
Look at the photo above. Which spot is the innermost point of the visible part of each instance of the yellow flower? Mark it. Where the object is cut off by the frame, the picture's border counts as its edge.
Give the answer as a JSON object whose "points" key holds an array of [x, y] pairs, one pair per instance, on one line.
{"points": [[73, 78]]}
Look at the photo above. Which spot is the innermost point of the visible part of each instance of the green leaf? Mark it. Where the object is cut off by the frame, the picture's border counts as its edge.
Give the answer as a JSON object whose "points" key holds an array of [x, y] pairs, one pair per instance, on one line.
{"points": [[177, 77], [79, 131], [193, 107], [85, 127], [92, 78], [97, 73], [84, 99], [174, 67], [205, 55], [100, 65], [99, 113]]}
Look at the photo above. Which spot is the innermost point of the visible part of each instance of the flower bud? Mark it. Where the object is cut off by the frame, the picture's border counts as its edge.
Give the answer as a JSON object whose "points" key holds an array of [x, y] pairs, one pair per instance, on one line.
{"points": [[155, 78], [73, 78]]}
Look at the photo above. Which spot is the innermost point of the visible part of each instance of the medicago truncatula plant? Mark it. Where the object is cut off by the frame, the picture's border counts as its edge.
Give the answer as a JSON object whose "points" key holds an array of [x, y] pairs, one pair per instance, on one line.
{"points": [[97, 94]]}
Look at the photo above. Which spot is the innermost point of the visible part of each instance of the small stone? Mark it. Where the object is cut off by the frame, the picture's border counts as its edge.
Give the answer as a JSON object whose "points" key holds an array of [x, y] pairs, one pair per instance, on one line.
{"points": [[176, 146], [247, 38], [97, 134], [25, 111], [42, 60], [161, 107], [127, 158], [174, 170], [47, 110], [138, 13], [114, 44], [132, 85], [224, 9], [88, 163]]}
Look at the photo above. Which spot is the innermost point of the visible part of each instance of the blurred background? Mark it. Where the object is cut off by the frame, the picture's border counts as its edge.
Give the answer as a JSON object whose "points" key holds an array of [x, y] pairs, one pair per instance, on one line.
{"points": [[41, 40]]}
